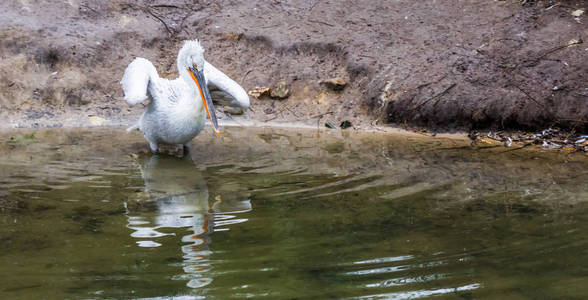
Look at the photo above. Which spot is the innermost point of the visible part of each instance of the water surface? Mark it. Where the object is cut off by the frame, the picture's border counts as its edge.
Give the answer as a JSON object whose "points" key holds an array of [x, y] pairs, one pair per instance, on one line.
{"points": [[288, 214]]}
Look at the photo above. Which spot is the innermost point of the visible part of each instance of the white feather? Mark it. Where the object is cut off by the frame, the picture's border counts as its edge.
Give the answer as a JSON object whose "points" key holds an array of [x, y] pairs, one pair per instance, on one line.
{"points": [[221, 81], [135, 80]]}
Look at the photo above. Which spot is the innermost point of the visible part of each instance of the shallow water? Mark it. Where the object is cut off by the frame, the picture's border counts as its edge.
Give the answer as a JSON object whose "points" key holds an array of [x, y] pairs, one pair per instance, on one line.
{"points": [[283, 214]]}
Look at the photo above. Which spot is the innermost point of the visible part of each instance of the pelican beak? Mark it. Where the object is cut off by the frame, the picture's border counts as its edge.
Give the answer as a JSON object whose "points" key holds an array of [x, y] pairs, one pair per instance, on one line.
{"points": [[198, 78]]}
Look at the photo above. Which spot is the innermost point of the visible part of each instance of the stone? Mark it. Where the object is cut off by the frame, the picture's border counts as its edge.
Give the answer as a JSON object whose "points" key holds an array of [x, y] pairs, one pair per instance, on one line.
{"points": [[232, 110], [334, 84], [280, 91], [345, 124]]}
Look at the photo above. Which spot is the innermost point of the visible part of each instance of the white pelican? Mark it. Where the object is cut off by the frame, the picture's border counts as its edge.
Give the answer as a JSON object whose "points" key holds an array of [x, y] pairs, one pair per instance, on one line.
{"points": [[178, 107]]}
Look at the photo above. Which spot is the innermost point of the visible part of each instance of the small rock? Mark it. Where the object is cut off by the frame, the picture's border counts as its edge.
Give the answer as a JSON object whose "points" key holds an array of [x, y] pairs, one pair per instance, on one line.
{"points": [[335, 84], [221, 98], [233, 110], [345, 124], [259, 91], [281, 91]]}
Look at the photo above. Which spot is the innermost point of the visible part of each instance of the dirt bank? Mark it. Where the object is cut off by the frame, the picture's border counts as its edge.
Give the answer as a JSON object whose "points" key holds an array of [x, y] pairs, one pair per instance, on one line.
{"points": [[443, 65]]}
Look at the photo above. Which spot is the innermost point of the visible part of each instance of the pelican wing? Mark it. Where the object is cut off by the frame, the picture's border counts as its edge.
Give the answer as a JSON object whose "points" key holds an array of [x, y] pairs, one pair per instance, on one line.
{"points": [[136, 80], [219, 80]]}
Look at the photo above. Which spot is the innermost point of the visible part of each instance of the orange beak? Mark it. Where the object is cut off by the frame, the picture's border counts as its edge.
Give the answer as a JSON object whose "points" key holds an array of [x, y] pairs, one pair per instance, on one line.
{"points": [[198, 78]]}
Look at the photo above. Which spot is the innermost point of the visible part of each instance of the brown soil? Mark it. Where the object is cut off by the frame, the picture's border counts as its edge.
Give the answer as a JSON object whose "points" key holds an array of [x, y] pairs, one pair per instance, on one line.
{"points": [[443, 65]]}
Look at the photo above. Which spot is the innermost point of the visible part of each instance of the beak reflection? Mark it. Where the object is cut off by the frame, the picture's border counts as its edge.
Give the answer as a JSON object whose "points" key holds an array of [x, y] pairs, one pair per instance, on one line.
{"points": [[200, 81]]}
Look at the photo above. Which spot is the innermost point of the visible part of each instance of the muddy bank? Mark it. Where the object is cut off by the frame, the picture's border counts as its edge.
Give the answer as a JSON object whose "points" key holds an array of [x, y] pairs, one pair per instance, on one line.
{"points": [[440, 65]]}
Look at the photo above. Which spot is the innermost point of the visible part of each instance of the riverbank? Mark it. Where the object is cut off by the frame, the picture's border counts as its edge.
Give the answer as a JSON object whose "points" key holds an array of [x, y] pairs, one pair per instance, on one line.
{"points": [[451, 67], [549, 140]]}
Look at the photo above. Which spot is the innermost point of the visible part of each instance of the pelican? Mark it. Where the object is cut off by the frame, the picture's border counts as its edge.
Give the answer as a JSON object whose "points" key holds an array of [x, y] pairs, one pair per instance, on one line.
{"points": [[178, 108]]}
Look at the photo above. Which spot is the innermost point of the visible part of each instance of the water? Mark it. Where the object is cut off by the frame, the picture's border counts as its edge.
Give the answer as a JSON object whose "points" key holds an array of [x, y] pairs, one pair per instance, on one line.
{"points": [[284, 214]]}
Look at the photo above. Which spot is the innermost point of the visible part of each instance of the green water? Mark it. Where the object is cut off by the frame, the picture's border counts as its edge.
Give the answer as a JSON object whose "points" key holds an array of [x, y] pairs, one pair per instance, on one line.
{"points": [[288, 214]]}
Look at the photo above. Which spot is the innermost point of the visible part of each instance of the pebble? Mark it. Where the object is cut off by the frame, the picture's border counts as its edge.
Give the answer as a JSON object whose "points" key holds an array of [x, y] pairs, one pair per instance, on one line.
{"points": [[280, 91], [334, 84], [232, 110]]}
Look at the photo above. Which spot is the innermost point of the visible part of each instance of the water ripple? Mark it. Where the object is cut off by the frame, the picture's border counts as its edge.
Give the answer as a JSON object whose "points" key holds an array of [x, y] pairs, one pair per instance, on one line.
{"points": [[421, 293], [407, 280], [384, 260]]}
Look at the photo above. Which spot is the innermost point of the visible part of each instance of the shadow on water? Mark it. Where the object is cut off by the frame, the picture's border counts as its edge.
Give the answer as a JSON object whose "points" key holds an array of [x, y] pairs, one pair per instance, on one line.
{"points": [[282, 215]]}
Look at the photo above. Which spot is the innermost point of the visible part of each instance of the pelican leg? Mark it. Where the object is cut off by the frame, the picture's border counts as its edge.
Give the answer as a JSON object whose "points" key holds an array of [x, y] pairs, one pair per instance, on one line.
{"points": [[187, 146], [154, 147]]}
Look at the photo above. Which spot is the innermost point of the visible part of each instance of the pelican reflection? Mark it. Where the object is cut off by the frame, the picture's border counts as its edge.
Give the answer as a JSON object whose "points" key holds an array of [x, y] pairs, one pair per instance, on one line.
{"points": [[177, 196]]}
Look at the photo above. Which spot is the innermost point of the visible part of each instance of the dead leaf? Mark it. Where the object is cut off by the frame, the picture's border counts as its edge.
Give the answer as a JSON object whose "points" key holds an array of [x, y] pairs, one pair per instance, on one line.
{"points": [[487, 141], [577, 13], [96, 121], [259, 91], [321, 98]]}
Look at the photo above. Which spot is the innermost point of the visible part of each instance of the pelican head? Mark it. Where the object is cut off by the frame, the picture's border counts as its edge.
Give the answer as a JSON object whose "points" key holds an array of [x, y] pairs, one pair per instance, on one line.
{"points": [[191, 55], [191, 60]]}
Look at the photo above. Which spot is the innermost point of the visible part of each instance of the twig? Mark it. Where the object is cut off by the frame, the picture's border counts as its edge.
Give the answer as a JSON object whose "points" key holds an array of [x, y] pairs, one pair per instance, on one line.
{"points": [[436, 96], [88, 7], [294, 113], [246, 73], [321, 115], [313, 5], [272, 118], [158, 18], [282, 109], [321, 22], [164, 6], [278, 112], [147, 10], [535, 60], [529, 96], [270, 26], [184, 19], [552, 6], [366, 56], [429, 83], [445, 91]]}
